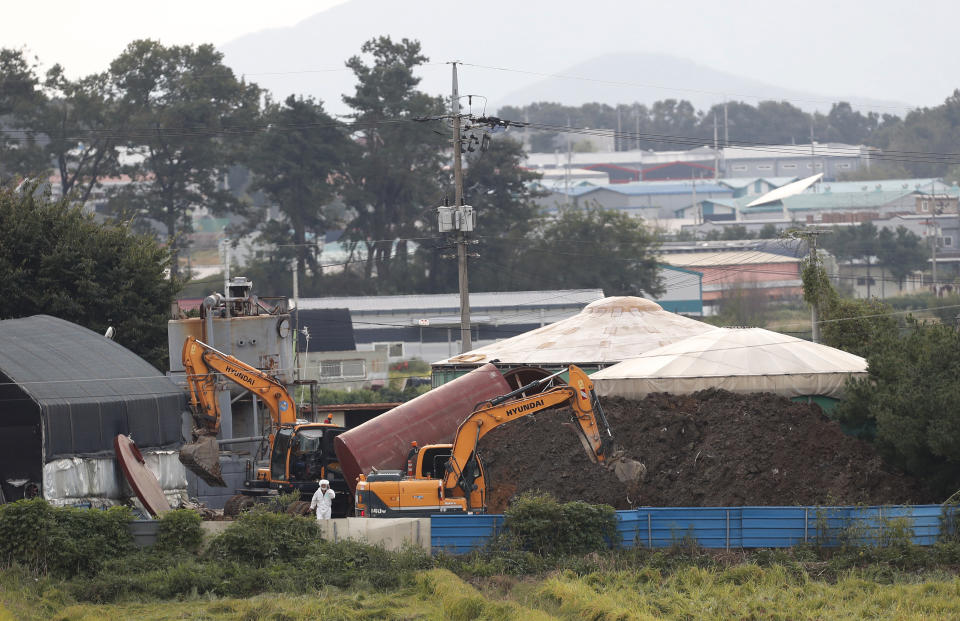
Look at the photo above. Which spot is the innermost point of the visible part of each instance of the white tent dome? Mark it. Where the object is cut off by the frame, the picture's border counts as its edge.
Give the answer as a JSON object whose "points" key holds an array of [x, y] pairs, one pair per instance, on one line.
{"points": [[736, 359], [605, 331]]}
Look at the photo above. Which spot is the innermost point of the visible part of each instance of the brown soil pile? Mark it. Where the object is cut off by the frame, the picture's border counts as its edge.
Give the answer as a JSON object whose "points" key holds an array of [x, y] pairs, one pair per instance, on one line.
{"points": [[714, 448]]}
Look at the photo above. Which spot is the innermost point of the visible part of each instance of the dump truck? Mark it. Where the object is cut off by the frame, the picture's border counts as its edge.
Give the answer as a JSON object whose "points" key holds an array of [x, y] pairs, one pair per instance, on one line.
{"points": [[449, 478], [300, 452]]}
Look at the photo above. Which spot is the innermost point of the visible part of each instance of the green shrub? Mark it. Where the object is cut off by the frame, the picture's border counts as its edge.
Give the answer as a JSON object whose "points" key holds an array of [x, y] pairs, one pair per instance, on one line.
{"points": [[179, 530], [61, 540], [541, 524], [260, 537]]}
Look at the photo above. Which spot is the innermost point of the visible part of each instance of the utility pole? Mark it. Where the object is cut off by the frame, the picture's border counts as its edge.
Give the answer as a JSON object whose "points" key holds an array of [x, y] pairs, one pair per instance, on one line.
{"points": [[813, 155], [814, 310], [617, 146], [811, 236], [466, 340], [716, 150], [936, 235]]}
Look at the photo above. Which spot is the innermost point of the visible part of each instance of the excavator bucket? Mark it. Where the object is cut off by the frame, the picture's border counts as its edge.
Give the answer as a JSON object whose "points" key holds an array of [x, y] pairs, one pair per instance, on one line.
{"points": [[202, 457]]}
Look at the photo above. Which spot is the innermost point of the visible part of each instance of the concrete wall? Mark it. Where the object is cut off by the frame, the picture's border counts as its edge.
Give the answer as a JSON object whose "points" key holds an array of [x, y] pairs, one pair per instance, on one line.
{"points": [[389, 533]]}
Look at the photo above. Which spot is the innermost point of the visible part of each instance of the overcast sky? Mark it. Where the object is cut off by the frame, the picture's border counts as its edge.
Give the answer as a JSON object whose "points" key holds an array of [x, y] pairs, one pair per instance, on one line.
{"points": [[85, 36], [889, 50]]}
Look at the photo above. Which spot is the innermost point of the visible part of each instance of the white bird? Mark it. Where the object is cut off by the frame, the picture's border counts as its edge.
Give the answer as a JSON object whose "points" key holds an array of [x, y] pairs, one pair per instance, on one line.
{"points": [[110, 333]]}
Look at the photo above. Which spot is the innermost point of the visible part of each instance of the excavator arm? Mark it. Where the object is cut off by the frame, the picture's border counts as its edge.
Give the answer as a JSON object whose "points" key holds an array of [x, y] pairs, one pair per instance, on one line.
{"points": [[588, 419], [202, 364]]}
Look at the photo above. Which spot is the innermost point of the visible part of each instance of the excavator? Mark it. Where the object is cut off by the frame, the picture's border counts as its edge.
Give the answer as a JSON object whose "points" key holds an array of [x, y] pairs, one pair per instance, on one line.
{"points": [[449, 478], [300, 453]]}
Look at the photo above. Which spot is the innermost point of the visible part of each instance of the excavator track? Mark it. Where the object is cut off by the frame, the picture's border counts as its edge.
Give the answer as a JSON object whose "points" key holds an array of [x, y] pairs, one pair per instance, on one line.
{"points": [[202, 457]]}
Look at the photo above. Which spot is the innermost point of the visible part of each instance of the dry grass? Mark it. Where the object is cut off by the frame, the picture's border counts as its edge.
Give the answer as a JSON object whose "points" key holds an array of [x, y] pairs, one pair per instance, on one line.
{"points": [[745, 591]]}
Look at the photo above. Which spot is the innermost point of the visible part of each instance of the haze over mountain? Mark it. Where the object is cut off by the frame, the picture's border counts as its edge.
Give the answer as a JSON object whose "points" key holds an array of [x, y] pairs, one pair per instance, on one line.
{"points": [[645, 77], [763, 50]]}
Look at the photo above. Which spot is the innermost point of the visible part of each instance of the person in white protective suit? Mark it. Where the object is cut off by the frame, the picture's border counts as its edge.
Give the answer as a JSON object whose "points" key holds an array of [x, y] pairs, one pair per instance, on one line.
{"points": [[323, 500]]}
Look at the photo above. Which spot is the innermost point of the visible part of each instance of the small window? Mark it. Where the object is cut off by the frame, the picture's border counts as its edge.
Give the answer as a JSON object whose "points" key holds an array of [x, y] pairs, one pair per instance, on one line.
{"points": [[739, 167], [764, 166], [863, 281], [789, 167], [844, 165], [394, 350], [330, 368], [924, 206], [946, 241]]}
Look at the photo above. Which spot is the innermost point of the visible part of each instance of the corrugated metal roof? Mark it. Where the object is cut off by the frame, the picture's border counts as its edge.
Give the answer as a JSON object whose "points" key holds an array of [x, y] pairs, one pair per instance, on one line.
{"points": [[643, 188], [742, 182], [832, 200], [784, 151], [888, 185], [694, 260], [451, 301]]}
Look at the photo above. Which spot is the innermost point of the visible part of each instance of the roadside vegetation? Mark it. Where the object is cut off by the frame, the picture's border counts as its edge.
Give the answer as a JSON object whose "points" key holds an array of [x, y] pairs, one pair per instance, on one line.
{"points": [[273, 565]]}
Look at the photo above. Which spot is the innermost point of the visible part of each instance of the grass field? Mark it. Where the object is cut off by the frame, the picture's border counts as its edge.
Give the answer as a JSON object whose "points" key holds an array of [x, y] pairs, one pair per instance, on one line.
{"points": [[744, 591]]}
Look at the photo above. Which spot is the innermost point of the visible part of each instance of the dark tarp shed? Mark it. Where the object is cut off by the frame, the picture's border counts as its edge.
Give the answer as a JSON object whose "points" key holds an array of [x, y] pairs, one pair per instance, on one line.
{"points": [[85, 388]]}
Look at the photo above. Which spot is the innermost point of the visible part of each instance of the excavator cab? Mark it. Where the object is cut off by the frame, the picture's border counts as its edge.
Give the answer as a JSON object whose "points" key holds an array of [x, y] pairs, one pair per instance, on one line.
{"points": [[304, 453]]}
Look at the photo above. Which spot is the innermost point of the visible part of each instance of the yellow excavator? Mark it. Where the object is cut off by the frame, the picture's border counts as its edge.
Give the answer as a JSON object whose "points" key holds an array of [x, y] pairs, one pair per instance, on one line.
{"points": [[449, 478], [300, 452]]}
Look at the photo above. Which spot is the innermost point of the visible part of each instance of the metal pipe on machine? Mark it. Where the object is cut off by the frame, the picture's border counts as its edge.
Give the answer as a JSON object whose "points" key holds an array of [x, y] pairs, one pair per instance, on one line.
{"points": [[431, 418]]}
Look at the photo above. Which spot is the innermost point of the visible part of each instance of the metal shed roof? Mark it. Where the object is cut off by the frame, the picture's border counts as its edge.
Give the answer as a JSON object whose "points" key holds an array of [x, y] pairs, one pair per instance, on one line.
{"points": [[451, 301], [88, 388]]}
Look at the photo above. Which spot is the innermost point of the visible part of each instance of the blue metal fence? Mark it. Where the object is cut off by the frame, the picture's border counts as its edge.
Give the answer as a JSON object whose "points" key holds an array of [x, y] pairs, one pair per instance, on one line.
{"points": [[727, 527]]}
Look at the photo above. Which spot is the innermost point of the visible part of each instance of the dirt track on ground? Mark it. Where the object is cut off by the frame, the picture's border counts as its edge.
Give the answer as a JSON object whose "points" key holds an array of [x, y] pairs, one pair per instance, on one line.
{"points": [[714, 448]]}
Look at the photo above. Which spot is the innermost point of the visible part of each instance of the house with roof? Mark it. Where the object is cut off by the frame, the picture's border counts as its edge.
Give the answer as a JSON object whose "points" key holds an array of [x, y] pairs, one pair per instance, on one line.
{"points": [[647, 199], [770, 276]]}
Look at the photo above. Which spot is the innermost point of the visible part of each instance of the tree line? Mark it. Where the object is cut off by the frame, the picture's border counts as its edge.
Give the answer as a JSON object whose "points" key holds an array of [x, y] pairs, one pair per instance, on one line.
{"points": [[186, 135], [677, 124]]}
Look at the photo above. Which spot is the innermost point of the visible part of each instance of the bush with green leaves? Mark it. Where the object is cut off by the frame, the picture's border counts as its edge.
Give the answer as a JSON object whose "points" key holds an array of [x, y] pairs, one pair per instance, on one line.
{"points": [[61, 540], [541, 524], [179, 530], [261, 537]]}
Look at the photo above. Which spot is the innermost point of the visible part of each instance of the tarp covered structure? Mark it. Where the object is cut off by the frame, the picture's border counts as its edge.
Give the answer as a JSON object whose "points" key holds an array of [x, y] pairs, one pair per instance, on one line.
{"points": [[740, 360], [81, 389], [604, 332]]}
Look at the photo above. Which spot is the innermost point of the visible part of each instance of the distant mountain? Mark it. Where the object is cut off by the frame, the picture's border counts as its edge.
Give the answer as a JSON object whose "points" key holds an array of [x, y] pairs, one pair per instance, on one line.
{"points": [[645, 78], [513, 44]]}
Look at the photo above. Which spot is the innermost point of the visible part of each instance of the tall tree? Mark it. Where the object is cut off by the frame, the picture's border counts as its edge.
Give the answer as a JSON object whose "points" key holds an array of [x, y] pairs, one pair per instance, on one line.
{"points": [[394, 182], [20, 94], [58, 261], [83, 128], [901, 253], [595, 247], [186, 109], [299, 162], [908, 402]]}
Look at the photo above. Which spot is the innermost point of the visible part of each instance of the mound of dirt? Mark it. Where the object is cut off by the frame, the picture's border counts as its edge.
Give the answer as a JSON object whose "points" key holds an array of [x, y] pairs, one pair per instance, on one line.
{"points": [[714, 448]]}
